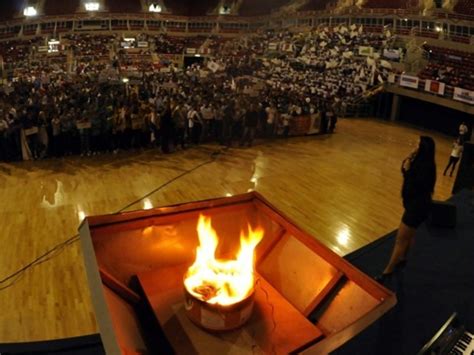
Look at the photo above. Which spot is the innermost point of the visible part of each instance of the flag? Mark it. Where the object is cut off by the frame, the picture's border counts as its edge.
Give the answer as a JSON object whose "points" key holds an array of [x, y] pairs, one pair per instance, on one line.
{"points": [[370, 62], [385, 64], [213, 66]]}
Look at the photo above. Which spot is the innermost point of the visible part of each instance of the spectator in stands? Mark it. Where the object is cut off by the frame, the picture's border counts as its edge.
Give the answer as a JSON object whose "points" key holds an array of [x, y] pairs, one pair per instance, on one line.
{"points": [[55, 135], [194, 125], [455, 156], [250, 126], [419, 178], [167, 129], [463, 132], [271, 113], [3, 137], [83, 125], [228, 122], [179, 122]]}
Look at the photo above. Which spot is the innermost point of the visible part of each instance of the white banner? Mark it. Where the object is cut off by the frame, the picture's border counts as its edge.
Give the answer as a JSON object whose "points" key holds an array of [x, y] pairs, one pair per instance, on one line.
{"points": [[409, 81], [435, 87], [391, 53], [464, 95], [143, 44], [213, 66], [273, 46]]}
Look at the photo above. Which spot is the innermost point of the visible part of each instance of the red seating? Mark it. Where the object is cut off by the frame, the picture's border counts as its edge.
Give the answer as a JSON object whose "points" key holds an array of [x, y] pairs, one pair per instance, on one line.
{"points": [[120, 6], [317, 5], [453, 67], [465, 7], [386, 4], [258, 8], [90, 46], [190, 7]]}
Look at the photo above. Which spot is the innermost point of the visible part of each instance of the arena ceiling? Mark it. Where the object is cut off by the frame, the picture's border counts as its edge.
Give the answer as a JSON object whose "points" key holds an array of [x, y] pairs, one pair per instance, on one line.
{"points": [[10, 9]]}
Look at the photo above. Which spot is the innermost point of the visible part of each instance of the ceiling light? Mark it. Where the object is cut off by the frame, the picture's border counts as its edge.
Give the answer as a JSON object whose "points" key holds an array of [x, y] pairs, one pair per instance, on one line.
{"points": [[154, 8], [30, 11], [92, 6]]}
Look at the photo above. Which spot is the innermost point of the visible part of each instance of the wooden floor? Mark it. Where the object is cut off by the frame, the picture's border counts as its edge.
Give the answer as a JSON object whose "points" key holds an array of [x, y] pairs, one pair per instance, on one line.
{"points": [[344, 189]]}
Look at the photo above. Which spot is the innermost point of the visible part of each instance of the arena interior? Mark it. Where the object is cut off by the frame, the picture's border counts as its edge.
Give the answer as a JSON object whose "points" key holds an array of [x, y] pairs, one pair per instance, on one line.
{"points": [[112, 106]]}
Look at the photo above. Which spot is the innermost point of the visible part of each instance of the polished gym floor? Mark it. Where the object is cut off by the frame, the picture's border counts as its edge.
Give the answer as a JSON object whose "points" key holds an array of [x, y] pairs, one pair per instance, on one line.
{"points": [[344, 189]]}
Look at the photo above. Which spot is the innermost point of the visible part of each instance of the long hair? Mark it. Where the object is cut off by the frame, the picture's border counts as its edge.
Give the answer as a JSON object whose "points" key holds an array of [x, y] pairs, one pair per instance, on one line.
{"points": [[423, 165]]}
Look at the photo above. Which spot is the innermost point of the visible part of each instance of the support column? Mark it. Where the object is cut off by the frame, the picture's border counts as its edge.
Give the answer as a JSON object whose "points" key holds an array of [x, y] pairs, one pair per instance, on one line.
{"points": [[395, 108]]}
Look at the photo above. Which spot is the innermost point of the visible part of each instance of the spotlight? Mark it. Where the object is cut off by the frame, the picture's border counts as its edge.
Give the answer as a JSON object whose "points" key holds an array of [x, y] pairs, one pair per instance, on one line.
{"points": [[155, 8], [30, 11], [92, 6]]}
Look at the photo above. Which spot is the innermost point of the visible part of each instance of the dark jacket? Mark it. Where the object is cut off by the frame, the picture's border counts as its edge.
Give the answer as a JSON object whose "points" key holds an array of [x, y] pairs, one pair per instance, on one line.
{"points": [[251, 119], [418, 185]]}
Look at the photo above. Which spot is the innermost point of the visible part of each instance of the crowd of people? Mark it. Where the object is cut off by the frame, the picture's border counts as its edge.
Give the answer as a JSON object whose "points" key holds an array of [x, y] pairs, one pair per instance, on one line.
{"points": [[249, 87]]}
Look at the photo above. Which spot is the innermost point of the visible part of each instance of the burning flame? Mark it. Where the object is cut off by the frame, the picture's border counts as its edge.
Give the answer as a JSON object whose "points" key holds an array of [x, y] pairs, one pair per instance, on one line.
{"points": [[223, 282]]}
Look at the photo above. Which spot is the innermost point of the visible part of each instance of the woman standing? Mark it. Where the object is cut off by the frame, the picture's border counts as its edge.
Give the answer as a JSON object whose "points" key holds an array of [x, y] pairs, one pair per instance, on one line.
{"points": [[419, 178], [455, 155]]}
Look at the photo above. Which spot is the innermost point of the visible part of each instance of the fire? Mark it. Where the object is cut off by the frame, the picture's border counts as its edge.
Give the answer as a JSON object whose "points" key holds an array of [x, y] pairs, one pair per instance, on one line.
{"points": [[223, 282]]}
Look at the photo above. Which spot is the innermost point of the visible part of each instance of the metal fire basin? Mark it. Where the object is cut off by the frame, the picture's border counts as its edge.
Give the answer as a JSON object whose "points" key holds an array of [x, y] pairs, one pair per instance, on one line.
{"points": [[215, 317], [307, 298]]}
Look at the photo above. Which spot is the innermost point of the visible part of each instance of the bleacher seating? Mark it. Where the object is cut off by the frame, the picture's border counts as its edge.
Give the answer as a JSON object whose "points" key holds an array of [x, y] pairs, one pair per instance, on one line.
{"points": [[386, 4], [16, 51], [258, 8], [191, 7], [93, 47], [120, 6], [465, 7], [317, 5], [453, 67]]}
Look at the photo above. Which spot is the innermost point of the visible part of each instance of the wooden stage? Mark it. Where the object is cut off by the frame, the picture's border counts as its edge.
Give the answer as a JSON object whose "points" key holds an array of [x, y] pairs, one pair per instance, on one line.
{"points": [[343, 188]]}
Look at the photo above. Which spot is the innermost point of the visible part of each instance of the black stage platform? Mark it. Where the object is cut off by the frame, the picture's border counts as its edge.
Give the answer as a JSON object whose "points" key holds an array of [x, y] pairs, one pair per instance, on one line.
{"points": [[438, 280]]}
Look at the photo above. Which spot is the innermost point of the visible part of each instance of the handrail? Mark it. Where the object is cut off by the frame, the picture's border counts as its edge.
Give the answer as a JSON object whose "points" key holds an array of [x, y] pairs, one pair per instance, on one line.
{"points": [[448, 92]]}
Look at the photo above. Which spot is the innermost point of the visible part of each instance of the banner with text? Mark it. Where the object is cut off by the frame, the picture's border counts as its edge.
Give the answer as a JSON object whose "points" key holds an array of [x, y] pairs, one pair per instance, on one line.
{"points": [[464, 95], [391, 54], [409, 81], [435, 87]]}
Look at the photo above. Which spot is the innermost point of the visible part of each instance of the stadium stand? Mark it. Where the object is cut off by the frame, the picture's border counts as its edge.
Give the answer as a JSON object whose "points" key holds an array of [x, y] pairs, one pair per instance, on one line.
{"points": [[191, 8], [317, 5], [258, 8], [453, 67], [465, 7], [60, 7], [120, 6], [386, 4]]}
